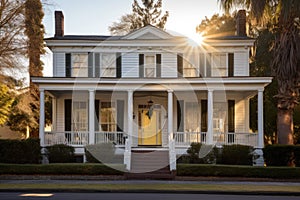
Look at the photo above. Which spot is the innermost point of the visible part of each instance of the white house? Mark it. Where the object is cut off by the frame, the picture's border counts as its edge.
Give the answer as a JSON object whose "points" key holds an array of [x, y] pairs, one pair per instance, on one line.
{"points": [[150, 91]]}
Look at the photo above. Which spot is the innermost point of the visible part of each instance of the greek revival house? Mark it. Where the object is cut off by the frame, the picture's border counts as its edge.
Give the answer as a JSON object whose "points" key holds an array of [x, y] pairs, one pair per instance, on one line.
{"points": [[150, 91]]}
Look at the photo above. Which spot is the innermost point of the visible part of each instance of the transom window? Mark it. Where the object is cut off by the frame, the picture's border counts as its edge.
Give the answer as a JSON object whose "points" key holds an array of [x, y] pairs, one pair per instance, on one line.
{"points": [[79, 65]]}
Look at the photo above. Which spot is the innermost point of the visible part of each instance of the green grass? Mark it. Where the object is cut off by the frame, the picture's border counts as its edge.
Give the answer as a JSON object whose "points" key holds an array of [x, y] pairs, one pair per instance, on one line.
{"points": [[154, 187]]}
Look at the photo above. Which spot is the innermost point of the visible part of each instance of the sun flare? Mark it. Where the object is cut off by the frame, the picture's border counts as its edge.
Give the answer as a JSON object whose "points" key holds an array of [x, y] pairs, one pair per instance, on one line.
{"points": [[195, 39]]}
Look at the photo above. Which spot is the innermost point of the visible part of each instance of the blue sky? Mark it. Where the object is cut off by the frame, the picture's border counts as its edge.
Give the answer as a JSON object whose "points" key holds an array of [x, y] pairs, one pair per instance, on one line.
{"points": [[94, 16]]}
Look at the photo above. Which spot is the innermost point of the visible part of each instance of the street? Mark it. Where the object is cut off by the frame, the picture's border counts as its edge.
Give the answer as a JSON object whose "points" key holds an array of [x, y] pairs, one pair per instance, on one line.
{"points": [[130, 196]]}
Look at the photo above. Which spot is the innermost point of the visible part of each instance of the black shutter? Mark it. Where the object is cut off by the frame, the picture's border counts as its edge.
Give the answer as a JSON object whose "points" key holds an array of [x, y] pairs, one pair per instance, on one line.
{"points": [[180, 116], [119, 65], [97, 119], [201, 64], [68, 65], [231, 116], [120, 115], [90, 64], [141, 65], [180, 64], [203, 115], [158, 65], [97, 64], [230, 64], [68, 115], [208, 65]]}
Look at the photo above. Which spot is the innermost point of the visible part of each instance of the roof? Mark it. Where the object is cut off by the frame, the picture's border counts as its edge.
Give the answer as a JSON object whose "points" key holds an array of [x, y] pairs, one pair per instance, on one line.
{"points": [[85, 37]]}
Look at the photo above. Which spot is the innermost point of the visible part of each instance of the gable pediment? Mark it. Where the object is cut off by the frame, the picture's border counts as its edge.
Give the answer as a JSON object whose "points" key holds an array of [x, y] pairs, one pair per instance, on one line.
{"points": [[148, 33]]}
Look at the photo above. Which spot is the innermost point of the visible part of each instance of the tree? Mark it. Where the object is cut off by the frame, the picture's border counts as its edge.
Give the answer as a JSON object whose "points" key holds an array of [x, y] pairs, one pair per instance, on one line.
{"points": [[35, 32], [12, 43], [282, 18], [5, 103], [149, 13]]}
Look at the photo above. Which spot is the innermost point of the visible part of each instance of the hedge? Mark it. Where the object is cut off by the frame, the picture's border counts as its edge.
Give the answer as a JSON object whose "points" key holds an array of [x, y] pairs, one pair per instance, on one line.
{"points": [[61, 169], [238, 171], [235, 155], [61, 153], [282, 155], [20, 151]]}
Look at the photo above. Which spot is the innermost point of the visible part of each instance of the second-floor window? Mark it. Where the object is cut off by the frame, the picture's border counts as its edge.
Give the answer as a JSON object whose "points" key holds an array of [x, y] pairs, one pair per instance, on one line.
{"points": [[108, 65], [79, 64]]}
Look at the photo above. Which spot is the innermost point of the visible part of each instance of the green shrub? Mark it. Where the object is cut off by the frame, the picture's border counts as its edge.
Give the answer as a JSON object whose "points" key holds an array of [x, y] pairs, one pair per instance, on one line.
{"points": [[297, 155], [235, 155], [61, 153], [200, 153], [20, 151], [279, 155], [62, 169], [238, 171]]}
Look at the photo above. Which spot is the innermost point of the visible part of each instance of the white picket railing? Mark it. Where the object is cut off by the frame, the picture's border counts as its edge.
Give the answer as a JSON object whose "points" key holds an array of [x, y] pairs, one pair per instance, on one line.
{"points": [[68, 137], [106, 137], [186, 138]]}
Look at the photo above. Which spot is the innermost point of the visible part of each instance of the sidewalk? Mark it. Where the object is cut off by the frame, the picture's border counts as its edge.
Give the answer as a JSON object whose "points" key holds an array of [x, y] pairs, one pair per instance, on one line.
{"points": [[201, 185]]}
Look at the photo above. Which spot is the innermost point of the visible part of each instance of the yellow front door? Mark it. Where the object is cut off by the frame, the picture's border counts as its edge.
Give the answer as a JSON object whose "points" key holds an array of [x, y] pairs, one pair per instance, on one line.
{"points": [[150, 127]]}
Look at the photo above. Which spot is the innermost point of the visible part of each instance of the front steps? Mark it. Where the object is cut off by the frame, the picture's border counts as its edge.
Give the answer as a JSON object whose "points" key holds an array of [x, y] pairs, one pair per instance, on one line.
{"points": [[150, 164]]}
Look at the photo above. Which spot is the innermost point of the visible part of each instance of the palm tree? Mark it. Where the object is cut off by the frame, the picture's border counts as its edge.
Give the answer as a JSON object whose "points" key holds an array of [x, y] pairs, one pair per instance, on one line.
{"points": [[282, 17]]}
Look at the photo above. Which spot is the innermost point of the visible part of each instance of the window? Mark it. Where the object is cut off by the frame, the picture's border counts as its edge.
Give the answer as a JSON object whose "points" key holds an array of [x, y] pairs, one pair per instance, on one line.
{"points": [[107, 115], [79, 66], [219, 64], [192, 117], [150, 66], [108, 65], [190, 66], [79, 116], [220, 117]]}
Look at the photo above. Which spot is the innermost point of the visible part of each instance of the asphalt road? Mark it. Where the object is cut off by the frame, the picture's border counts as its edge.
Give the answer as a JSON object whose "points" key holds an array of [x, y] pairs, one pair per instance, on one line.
{"points": [[135, 196]]}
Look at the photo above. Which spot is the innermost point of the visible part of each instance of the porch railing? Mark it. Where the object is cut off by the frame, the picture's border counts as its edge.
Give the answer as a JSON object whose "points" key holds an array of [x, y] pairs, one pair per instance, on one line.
{"points": [[106, 137], [68, 138], [186, 138], [82, 138]]}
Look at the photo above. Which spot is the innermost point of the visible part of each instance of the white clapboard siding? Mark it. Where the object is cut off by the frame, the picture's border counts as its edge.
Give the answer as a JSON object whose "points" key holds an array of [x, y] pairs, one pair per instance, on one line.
{"points": [[130, 65], [169, 65], [241, 64], [240, 116], [60, 115], [59, 64]]}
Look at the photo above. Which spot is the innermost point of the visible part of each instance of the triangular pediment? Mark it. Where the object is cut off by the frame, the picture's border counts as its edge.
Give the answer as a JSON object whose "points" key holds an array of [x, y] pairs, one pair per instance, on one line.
{"points": [[148, 33]]}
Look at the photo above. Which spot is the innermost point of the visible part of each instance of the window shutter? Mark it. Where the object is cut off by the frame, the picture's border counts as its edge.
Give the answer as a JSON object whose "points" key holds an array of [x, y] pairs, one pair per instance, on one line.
{"points": [[180, 64], [90, 64], [203, 115], [68, 115], [231, 64], [158, 65], [180, 116], [68, 65], [208, 65], [120, 115], [231, 116], [97, 119], [141, 65], [119, 65], [97, 65]]}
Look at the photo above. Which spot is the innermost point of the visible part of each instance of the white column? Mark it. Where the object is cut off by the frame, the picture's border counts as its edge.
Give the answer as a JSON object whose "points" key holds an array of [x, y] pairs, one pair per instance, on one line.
{"points": [[54, 113], [260, 118], [210, 111], [170, 113], [130, 116], [42, 118], [91, 116]]}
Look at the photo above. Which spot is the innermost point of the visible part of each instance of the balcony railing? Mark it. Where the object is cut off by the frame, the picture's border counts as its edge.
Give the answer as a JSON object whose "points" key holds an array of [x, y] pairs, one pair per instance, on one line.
{"points": [[82, 138], [186, 138]]}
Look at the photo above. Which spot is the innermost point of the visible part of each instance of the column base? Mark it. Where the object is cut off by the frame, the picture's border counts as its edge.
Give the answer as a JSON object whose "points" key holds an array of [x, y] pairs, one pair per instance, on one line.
{"points": [[258, 157], [45, 160]]}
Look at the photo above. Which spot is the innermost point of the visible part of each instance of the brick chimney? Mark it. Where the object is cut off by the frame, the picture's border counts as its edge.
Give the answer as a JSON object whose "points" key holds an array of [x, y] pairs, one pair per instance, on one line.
{"points": [[241, 23], [59, 24]]}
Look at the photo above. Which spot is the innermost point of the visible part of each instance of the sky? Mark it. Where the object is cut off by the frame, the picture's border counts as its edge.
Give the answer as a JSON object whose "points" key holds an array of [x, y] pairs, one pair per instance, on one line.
{"points": [[93, 17]]}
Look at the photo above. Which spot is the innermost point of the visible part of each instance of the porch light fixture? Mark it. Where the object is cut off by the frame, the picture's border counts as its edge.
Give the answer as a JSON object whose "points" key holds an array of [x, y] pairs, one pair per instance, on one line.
{"points": [[150, 106]]}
